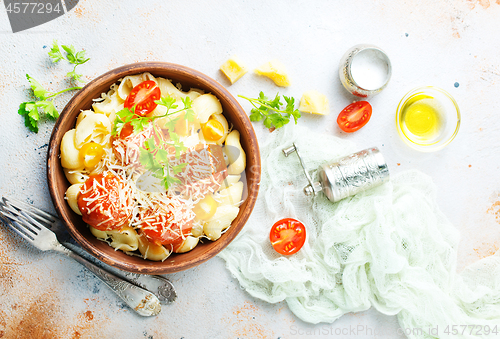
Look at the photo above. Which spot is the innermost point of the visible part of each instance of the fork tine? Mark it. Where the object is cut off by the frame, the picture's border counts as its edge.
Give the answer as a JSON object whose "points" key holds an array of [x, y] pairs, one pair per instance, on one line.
{"points": [[22, 222], [13, 225], [28, 221], [45, 219], [15, 214], [32, 210]]}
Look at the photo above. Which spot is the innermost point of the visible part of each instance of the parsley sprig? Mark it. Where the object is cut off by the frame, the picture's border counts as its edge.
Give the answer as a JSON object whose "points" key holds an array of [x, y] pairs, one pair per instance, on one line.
{"points": [[138, 123], [272, 111], [30, 109], [72, 56], [155, 155], [44, 102]]}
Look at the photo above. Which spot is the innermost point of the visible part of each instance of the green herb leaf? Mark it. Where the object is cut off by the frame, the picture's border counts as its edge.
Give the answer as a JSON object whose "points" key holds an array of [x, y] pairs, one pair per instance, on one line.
{"points": [[177, 143], [31, 116], [272, 112], [70, 53], [188, 103], [80, 57], [55, 52], [38, 89], [276, 103], [48, 108], [170, 124], [150, 145], [122, 118], [169, 180], [147, 159], [290, 104], [256, 115], [168, 102], [139, 124], [162, 156], [178, 168], [75, 76], [73, 57], [189, 113]]}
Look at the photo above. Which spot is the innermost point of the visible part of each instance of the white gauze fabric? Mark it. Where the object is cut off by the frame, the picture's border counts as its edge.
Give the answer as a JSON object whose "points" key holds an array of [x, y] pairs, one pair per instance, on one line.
{"points": [[388, 247]]}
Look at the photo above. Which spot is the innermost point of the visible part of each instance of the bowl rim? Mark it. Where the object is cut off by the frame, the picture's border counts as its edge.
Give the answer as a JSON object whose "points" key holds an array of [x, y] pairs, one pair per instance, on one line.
{"points": [[430, 147], [53, 161]]}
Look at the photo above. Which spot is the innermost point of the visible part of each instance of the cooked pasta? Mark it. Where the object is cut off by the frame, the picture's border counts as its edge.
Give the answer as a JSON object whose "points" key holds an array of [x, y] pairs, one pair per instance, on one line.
{"points": [[235, 153], [76, 176], [71, 196], [221, 220], [94, 127], [205, 106], [125, 239], [123, 202], [231, 195]]}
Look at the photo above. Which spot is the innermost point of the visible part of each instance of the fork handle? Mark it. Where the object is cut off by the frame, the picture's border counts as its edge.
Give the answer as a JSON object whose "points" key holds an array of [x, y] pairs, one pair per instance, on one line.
{"points": [[161, 287], [143, 302]]}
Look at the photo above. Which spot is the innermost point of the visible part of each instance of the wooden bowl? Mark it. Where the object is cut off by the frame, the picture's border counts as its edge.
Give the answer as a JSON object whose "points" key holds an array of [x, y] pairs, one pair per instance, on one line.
{"points": [[58, 183]]}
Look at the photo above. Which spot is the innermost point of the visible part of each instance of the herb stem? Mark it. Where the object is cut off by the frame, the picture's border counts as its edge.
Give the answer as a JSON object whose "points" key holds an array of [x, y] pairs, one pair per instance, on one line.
{"points": [[166, 114], [252, 101], [64, 90]]}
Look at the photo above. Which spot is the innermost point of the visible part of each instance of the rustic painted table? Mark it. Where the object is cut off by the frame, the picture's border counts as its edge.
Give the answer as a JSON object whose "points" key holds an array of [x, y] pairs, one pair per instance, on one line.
{"points": [[445, 43]]}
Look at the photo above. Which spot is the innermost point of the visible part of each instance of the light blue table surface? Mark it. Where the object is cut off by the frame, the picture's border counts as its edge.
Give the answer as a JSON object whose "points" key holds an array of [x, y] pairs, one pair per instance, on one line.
{"points": [[452, 44]]}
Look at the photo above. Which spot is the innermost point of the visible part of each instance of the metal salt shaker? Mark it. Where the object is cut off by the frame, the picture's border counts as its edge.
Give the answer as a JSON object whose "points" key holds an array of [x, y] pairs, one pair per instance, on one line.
{"points": [[364, 59], [346, 176]]}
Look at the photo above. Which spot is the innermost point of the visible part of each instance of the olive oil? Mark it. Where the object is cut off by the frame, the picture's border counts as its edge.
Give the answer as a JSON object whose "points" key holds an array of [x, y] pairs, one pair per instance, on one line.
{"points": [[427, 118], [422, 119]]}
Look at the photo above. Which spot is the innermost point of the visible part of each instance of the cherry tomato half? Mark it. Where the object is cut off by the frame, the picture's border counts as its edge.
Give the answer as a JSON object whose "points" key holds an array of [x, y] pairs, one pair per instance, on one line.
{"points": [[91, 153], [354, 116], [288, 236], [143, 97], [212, 130]]}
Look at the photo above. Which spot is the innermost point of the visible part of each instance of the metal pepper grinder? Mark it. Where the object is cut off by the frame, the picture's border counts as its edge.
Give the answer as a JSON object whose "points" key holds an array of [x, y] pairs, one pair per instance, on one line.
{"points": [[346, 176]]}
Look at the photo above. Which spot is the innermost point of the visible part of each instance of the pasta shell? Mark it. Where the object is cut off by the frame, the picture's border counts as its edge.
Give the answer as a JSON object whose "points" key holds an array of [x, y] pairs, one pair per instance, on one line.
{"points": [[231, 195], [94, 127], [235, 153], [71, 196], [152, 251], [221, 220], [187, 245], [125, 239], [205, 105], [70, 155]]}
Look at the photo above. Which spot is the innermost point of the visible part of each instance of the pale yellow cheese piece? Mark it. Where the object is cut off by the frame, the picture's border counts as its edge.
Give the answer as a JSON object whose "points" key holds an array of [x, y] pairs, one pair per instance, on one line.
{"points": [[314, 102], [275, 71], [234, 69]]}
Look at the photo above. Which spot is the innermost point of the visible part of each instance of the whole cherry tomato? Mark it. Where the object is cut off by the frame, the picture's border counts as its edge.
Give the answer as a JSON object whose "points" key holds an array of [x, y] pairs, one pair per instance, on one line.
{"points": [[143, 97], [288, 236], [354, 116]]}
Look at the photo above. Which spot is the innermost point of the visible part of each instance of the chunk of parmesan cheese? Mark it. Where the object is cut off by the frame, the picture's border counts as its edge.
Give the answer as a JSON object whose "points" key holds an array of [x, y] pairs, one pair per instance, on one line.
{"points": [[314, 102], [275, 71], [234, 69]]}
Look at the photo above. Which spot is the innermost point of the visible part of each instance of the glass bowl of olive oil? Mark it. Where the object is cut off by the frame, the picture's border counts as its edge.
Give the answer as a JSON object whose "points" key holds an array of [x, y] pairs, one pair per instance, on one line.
{"points": [[428, 118]]}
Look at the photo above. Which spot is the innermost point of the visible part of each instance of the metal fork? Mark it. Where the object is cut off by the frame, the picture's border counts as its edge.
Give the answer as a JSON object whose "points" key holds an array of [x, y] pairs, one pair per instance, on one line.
{"points": [[31, 223], [161, 287]]}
